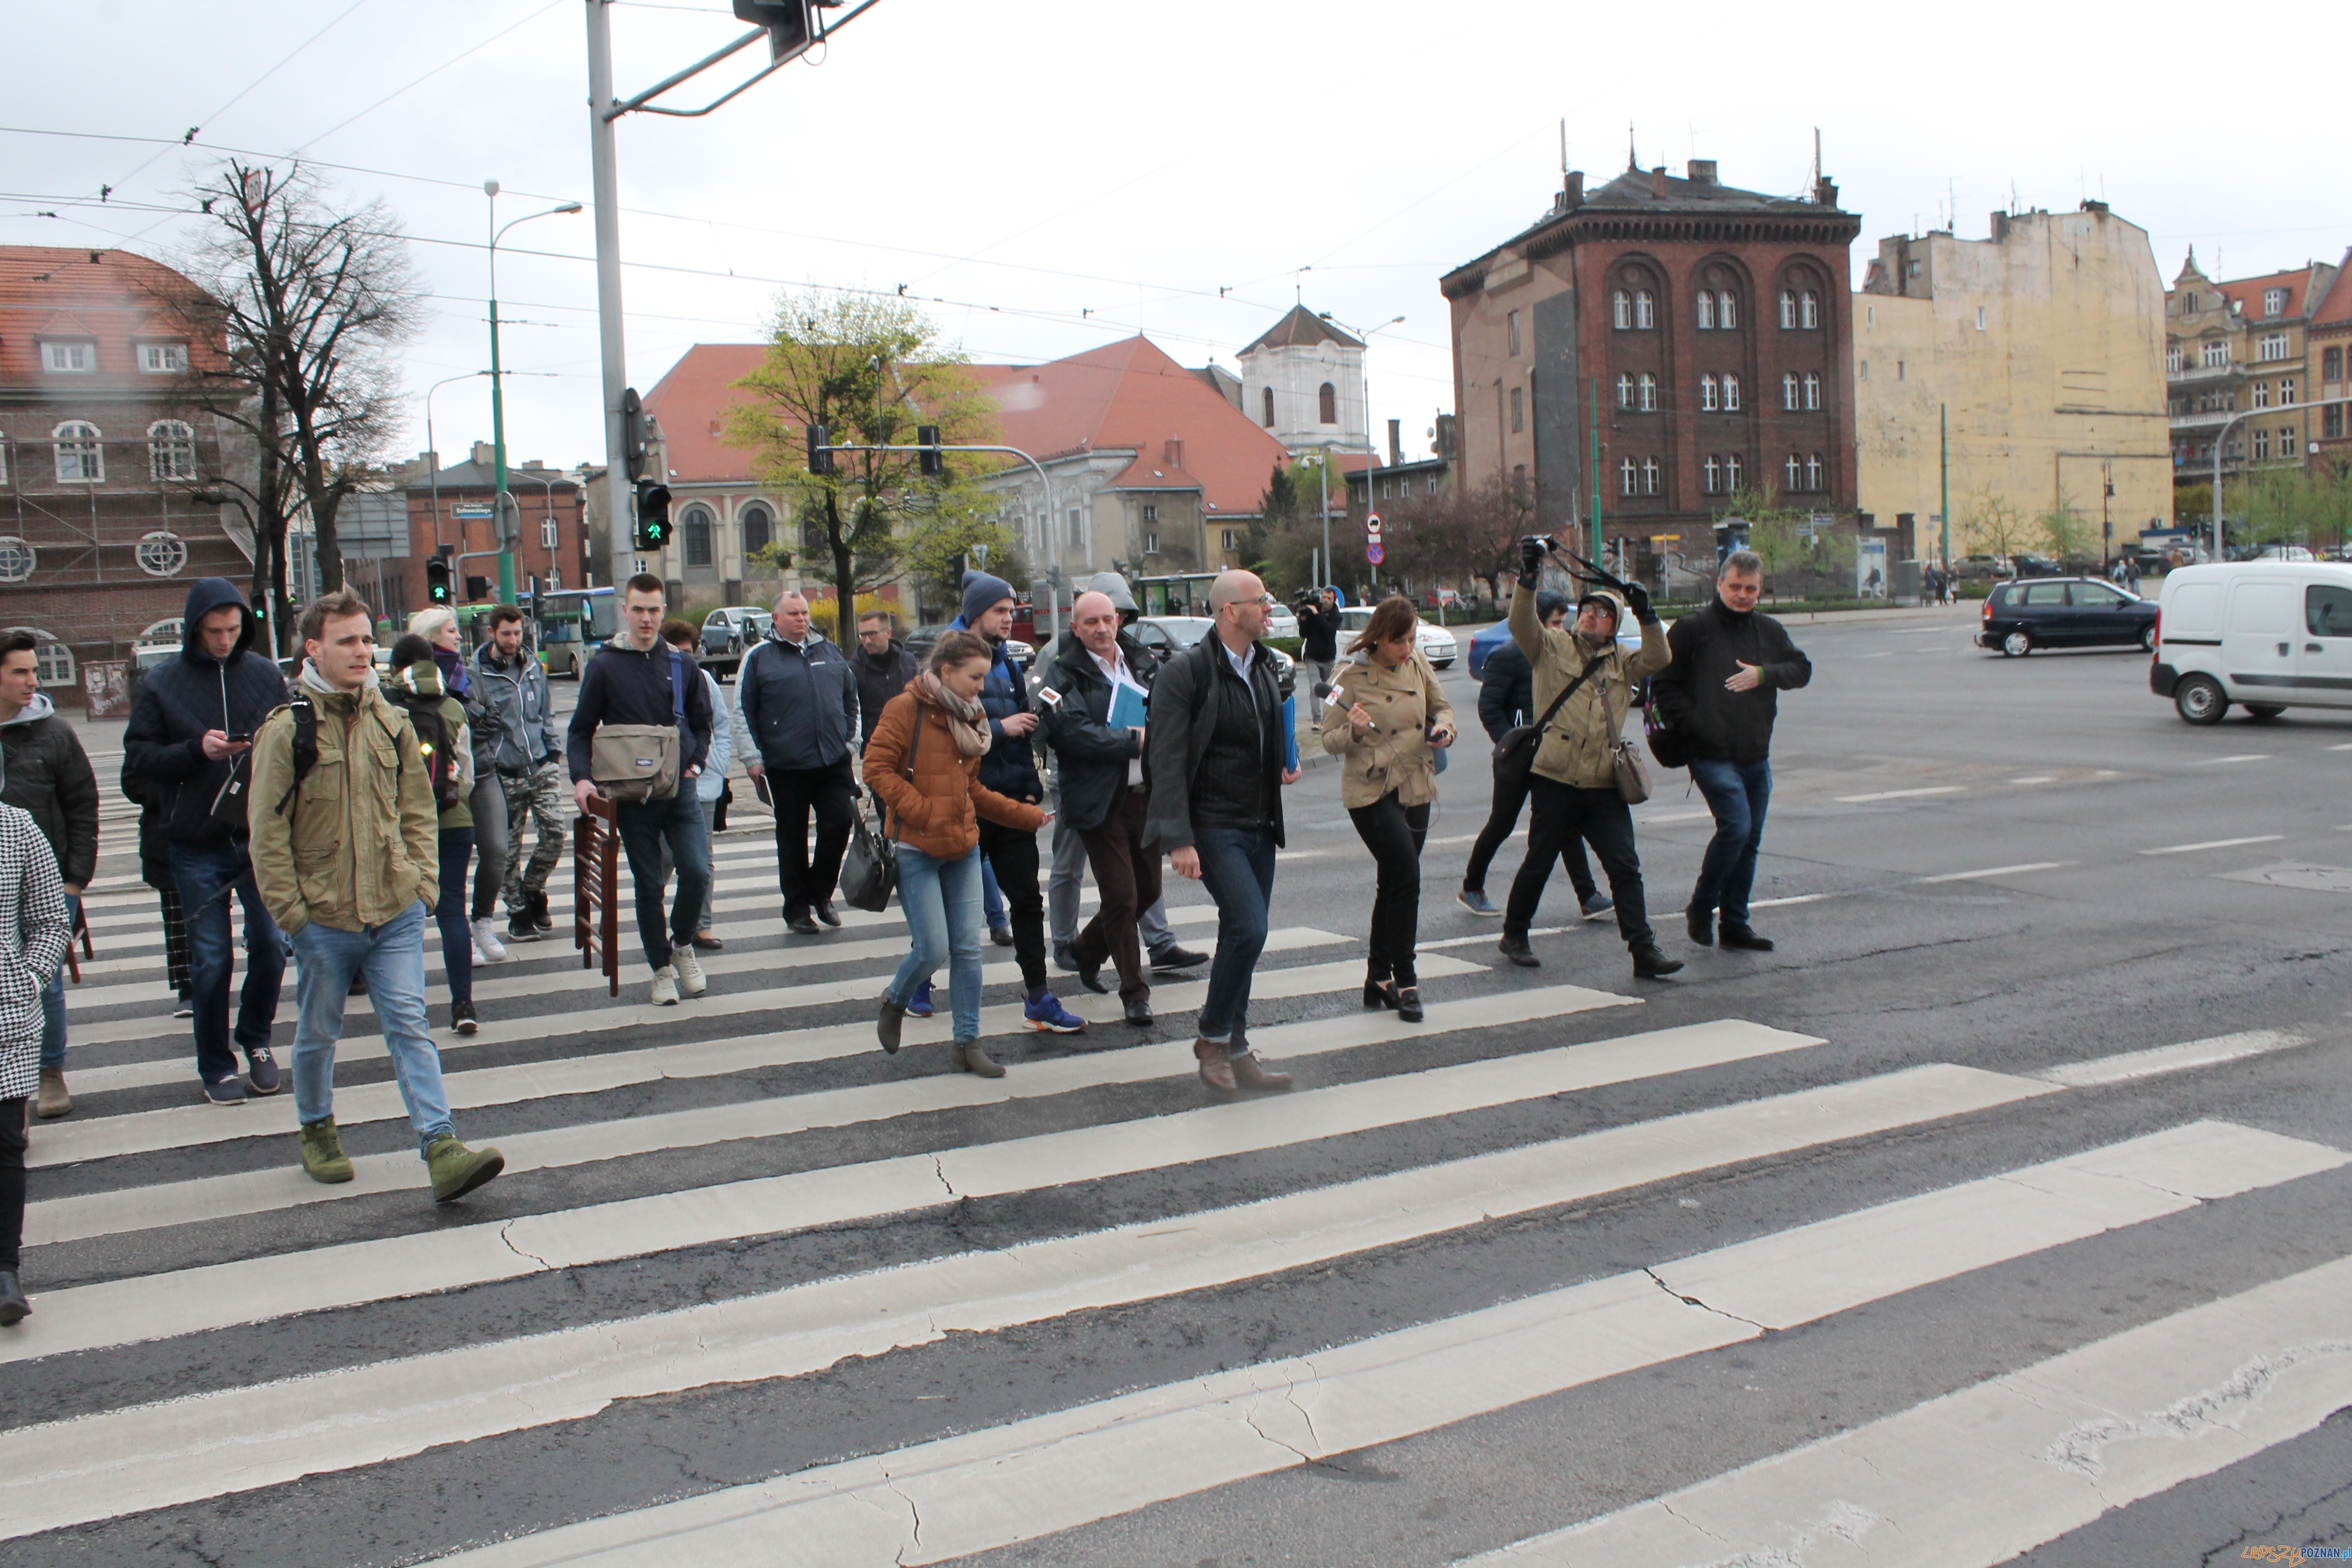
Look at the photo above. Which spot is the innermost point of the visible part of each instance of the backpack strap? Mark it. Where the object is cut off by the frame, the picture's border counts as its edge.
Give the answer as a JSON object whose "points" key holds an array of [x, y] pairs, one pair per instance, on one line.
{"points": [[305, 745]]}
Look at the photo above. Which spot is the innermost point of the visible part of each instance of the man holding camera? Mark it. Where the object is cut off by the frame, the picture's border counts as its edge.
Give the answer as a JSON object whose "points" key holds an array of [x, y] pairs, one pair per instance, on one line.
{"points": [[1319, 634]]}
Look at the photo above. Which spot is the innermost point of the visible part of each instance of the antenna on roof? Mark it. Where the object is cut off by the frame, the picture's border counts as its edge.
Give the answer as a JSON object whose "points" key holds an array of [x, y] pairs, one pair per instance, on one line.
{"points": [[1632, 163], [1563, 145]]}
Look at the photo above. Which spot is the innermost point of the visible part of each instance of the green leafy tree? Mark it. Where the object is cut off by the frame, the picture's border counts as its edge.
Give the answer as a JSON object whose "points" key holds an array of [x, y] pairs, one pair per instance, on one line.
{"points": [[1775, 532], [869, 370], [1994, 525], [2065, 531]]}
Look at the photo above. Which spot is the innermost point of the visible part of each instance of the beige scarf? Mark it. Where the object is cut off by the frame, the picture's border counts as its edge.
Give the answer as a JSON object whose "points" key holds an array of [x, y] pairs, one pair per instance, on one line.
{"points": [[967, 722]]}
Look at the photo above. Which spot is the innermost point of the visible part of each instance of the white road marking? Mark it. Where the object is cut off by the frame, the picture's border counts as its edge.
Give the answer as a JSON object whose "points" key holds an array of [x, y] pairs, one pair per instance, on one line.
{"points": [[1994, 871], [2345, 747], [1674, 816], [2217, 762], [2173, 1058], [1475, 938], [167, 1453], [2059, 1443], [2215, 844], [1002, 1485], [1900, 794], [2036, 779], [1784, 903]]}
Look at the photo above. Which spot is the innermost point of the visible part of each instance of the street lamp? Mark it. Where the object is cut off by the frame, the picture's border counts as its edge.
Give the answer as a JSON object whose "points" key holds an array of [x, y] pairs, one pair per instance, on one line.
{"points": [[1372, 452], [2220, 436], [433, 453], [497, 405]]}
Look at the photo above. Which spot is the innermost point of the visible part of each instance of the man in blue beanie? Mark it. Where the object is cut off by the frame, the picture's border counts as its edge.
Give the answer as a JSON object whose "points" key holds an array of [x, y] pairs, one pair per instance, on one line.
{"points": [[1010, 768]]}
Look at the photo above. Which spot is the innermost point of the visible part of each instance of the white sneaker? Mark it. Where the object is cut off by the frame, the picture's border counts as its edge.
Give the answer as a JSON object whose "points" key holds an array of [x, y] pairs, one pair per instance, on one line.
{"points": [[690, 971], [665, 992], [479, 959], [486, 942]]}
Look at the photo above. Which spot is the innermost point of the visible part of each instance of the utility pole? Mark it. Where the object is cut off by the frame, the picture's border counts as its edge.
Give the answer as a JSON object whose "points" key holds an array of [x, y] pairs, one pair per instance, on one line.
{"points": [[1944, 468], [1592, 550]]}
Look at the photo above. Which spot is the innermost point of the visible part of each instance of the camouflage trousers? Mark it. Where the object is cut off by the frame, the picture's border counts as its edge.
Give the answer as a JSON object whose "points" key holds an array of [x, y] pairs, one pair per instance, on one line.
{"points": [[541, 795]]}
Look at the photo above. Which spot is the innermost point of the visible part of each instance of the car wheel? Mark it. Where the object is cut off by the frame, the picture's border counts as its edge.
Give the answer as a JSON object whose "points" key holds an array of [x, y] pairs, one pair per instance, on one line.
{"points": [[2148, 638], [2200, 700], [2264, 710], [2017, 644]]}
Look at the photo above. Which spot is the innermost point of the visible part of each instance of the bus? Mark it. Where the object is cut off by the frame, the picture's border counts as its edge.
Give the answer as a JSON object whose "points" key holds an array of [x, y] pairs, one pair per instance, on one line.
{"points": [[570, 624]]}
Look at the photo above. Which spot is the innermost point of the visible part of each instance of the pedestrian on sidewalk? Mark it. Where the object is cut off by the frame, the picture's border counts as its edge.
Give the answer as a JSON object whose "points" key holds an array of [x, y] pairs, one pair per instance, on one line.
{"points": [[45, 773], [344, 832], [1106, 790], [1574, 788], [1318, 642], [1010, 769], [34, 931], [1387, 737], [513, 714], [924, 759], [795, 713], [1721, 694], [1507, 694], [190, 736], [637, 679], [681, 635], [1215, 752], [439, 720]]}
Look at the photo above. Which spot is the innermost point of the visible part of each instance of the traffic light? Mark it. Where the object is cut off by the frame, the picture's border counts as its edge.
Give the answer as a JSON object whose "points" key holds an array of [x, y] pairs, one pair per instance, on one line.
{"points": [[927, 436], [509, 521], [820, 444], [437, 580], [634, 446], [791, 24], [477, 588], [652, 515]]}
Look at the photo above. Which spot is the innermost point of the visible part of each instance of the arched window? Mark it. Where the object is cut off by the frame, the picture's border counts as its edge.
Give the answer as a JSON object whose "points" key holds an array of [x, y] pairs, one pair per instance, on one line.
{"points": [[18, 559], [1789, 396], [1788, 309], [694, 531], [1645, 310], [80, 460], [1809, 309], [1621, 306], [1628, 477], [1705, 311], [1795, 469], [171, 450], [1624, 389], [1714, 476], [1327, 404], [1648, 393], [163, 555], [1814, 473], [1650, 472], [1269, 408], [1727, 310], [1731, 471], [1706, 395], [759, 525], [1812, 389], [1731, 392]]}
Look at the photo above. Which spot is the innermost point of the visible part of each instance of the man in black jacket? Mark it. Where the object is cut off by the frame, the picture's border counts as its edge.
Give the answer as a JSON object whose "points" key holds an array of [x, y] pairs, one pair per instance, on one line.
{"points": [[1507, 698], [882, 666], [1318, 641], [1216, 755], [45, 773], [190, 732], [1106, 789], [796, 709], [1729, 659], [637, 678]]}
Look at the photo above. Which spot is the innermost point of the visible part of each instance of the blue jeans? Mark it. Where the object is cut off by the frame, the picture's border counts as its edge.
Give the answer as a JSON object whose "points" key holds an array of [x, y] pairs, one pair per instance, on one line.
{"points": [[646, 829], [53, 1005], [392, 956], [207, 878], [941, 900], [990, 899], [1238, 867], [449, 914], [1737, 793]]}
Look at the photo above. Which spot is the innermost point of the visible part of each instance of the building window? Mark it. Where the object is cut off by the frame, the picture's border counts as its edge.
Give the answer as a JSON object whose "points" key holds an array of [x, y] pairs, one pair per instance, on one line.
{"points": [[1520, 407], [163, 359], [2272, 345], [1077, 528], [161, 554], [1233, 539], [1714, 476], [2261, 394], [1650, 472], [2331, 366], [1430, 485], [1151, 513], [1795, 469], [1151, 542], [1726, 311], [1705, 312], [1327, 403], [1731, 394], [1269, 408], [18, 559], [2174, 360], [1628, 477], [1814, 473], [2331, 422], [1648, 393], [2273, 301], [80, 461], [69, 359], [1809, 309], [1788, 310], [1789, 396], [1620, 309], [1731, 471], [2286, 391], [1645, 310], [2213, 353], [1625, 390], [1981, 318], [1899, 370], [171, 450], [1812, 389], [1706, 395], [756, 521], [547, 533], [2262, 444], [1513, 321], [694, 532]]}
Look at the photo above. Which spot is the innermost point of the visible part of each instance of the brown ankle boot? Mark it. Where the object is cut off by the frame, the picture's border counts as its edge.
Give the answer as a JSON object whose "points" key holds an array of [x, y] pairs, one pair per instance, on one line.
{"points": [[1249, 1074], [53, 1100], [1216, 1065]]}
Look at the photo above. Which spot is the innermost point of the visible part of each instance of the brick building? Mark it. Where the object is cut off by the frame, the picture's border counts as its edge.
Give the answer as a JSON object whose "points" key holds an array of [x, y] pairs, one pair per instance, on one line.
{"points": [[557, 546], [1714, 324], [99, 536], [2237, 365]]}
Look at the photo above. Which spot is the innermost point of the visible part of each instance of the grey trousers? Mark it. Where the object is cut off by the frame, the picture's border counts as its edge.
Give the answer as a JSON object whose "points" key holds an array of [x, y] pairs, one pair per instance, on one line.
{"points": [[1062, 894], [489, 804]]}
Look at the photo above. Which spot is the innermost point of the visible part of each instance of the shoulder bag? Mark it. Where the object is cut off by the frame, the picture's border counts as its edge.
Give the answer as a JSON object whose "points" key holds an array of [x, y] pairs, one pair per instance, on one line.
{"points": [[1515, 754], [1632, 778], [638, 762]]}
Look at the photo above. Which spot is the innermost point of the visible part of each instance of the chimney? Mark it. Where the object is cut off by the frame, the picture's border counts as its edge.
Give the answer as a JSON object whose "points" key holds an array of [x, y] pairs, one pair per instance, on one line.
{"points": [[1825, 191], [1172, 453], [2000, 228], [1702, 171], [1396, 442], [1573, 189], [485, 453], [1658, 180]]}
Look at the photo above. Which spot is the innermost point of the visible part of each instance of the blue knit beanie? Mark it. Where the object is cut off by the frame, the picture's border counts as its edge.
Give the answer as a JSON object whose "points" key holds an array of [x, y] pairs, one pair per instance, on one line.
{"points": [[981, 592]]}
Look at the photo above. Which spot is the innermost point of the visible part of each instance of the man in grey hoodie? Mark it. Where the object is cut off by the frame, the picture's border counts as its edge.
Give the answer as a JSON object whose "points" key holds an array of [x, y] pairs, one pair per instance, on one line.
{"points": [[45, 773]]}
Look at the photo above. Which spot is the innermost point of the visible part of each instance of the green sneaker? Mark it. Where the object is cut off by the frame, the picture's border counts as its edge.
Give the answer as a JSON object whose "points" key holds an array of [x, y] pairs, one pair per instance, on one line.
{"points": [[458, 1170], [322, 1153]]}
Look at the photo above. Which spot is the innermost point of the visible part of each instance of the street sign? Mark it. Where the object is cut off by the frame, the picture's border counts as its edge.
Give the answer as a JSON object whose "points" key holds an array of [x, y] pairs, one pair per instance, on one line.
{"points": [[1372, 528], [1374, 554], [473, 511]]}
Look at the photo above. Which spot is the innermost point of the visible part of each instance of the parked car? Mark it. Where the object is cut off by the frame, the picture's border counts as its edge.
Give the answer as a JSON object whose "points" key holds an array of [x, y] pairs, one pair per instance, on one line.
{"points": [[729, 633], [1165, 635], [1980, 566], [2284, 553], [2064, 612], [922, 639], [1282, 621], [1437, 645], [1487, 640], [2267, 635]]}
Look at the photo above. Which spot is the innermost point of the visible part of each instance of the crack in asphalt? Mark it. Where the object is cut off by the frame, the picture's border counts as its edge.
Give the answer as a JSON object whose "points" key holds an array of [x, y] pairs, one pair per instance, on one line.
{"points": [[2079, 1449], [1702, 1306], [506, 1234]]}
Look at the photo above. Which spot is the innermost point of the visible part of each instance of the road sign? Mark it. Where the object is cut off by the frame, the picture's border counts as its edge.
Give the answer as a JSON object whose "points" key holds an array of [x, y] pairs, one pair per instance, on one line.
{"points": [[473, 511], [1374, 554], [1372, 528]]}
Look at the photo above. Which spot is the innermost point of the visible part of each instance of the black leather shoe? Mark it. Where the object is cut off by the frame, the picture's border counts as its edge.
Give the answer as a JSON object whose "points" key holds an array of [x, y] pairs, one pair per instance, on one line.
{"points": [[1139, 1012], [826, 912], [1517, 949], [1700, 923], [800, 923], [1743, 938], [1171, 959], [1062, 959], [1377, 994], [1090, 977], [1649, 963], [1408, 1005], [13, 1308]]}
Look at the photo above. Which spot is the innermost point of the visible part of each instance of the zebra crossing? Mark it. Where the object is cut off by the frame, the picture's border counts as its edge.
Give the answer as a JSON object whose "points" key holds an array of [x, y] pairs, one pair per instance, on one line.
{"points": [[750, 1292]]}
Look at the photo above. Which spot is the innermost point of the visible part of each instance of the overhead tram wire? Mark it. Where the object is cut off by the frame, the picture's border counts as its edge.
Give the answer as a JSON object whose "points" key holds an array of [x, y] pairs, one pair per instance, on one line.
{"points": [[428, 76]]}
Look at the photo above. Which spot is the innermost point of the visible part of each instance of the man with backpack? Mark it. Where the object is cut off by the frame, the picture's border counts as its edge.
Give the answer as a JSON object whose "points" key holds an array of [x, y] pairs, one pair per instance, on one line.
{"points": [[515, 720], [414, 686], [640, 735], [345, 851]]}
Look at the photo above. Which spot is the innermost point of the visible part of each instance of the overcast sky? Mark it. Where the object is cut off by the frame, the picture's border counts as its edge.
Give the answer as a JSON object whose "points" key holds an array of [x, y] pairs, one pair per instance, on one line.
{"points": [[1060, 173]]}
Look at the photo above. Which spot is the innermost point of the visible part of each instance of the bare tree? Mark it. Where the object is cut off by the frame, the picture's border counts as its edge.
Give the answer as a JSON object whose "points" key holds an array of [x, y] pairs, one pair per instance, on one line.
{"points": [[312, 305]]}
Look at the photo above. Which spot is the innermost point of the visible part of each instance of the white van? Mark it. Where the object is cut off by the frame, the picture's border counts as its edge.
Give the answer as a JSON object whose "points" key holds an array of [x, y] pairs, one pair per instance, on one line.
{"points": [[2266, 634]]}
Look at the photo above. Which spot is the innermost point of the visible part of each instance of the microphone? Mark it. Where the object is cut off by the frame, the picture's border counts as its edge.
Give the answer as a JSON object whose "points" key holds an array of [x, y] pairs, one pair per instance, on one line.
{"points": [[1333, 694]]}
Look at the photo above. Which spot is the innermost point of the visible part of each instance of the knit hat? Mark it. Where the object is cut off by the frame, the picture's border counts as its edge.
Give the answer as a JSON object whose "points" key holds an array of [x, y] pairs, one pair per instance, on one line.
{"points": [[981, 593]]}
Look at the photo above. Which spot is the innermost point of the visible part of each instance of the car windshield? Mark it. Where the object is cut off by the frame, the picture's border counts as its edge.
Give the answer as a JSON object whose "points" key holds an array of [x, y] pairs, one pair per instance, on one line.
{"points": [[1183, 630]]}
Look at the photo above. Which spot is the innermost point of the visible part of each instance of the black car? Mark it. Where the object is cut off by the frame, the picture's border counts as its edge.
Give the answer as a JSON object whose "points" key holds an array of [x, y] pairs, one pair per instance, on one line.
{"points": [[2064, 612]]}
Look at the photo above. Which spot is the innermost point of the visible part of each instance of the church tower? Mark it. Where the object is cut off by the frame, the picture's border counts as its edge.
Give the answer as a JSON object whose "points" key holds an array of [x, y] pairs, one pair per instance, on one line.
{"points": [[1303, 380]]}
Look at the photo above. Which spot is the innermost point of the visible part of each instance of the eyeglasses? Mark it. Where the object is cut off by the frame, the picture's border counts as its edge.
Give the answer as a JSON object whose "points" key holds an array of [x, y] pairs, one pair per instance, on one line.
{"points": [[1261, 599]]}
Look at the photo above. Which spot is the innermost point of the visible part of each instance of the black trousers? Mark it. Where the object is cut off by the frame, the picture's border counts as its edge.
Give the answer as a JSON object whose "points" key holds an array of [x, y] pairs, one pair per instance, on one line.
{"points": [[1393, 833], [808, 879], [1502, 821], [12, 1182], [1126, 869], [1602, 819], [1012, 854]]}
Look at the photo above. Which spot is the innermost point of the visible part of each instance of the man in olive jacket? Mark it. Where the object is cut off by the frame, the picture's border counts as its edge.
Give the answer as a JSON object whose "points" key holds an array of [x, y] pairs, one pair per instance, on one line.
{"points": [[1574, 784], [346, 850]]}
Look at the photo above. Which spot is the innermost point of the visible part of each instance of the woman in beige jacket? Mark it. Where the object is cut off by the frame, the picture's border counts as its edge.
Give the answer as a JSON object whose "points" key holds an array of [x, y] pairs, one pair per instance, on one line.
{"points": [[1386, 722]]}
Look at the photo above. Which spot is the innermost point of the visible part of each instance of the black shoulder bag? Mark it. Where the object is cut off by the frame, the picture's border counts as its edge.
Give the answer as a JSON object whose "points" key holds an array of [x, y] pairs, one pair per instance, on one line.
{"points": [[1515, 754]]}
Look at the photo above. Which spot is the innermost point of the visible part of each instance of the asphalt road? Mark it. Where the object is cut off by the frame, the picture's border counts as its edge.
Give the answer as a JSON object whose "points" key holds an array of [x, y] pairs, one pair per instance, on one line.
{"points": [[1871, 1245]]}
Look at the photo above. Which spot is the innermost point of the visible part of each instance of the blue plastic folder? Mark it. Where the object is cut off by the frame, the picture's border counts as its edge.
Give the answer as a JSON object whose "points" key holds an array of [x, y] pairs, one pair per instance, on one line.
{"points": [[1127, 711]]}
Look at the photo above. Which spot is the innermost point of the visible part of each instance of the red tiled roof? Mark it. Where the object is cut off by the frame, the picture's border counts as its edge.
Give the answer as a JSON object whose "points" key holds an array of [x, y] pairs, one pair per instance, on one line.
{"points": [[57, 291], [2248, 291], [2336, 307], [690, 402]]}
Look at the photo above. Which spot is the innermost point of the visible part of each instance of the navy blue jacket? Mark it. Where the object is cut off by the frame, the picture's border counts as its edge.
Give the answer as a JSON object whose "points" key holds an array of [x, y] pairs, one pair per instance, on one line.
{"points": [[1010, 768], [179, 700], [623, 686], [799, 705], [1506, 692]]}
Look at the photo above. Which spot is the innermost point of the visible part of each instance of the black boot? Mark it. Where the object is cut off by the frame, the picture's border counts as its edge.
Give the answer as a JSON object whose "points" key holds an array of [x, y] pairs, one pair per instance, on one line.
{"points": [[1517, 949], [1743, 938], [1649, 963], [13, 1308], [1700, 923]]}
